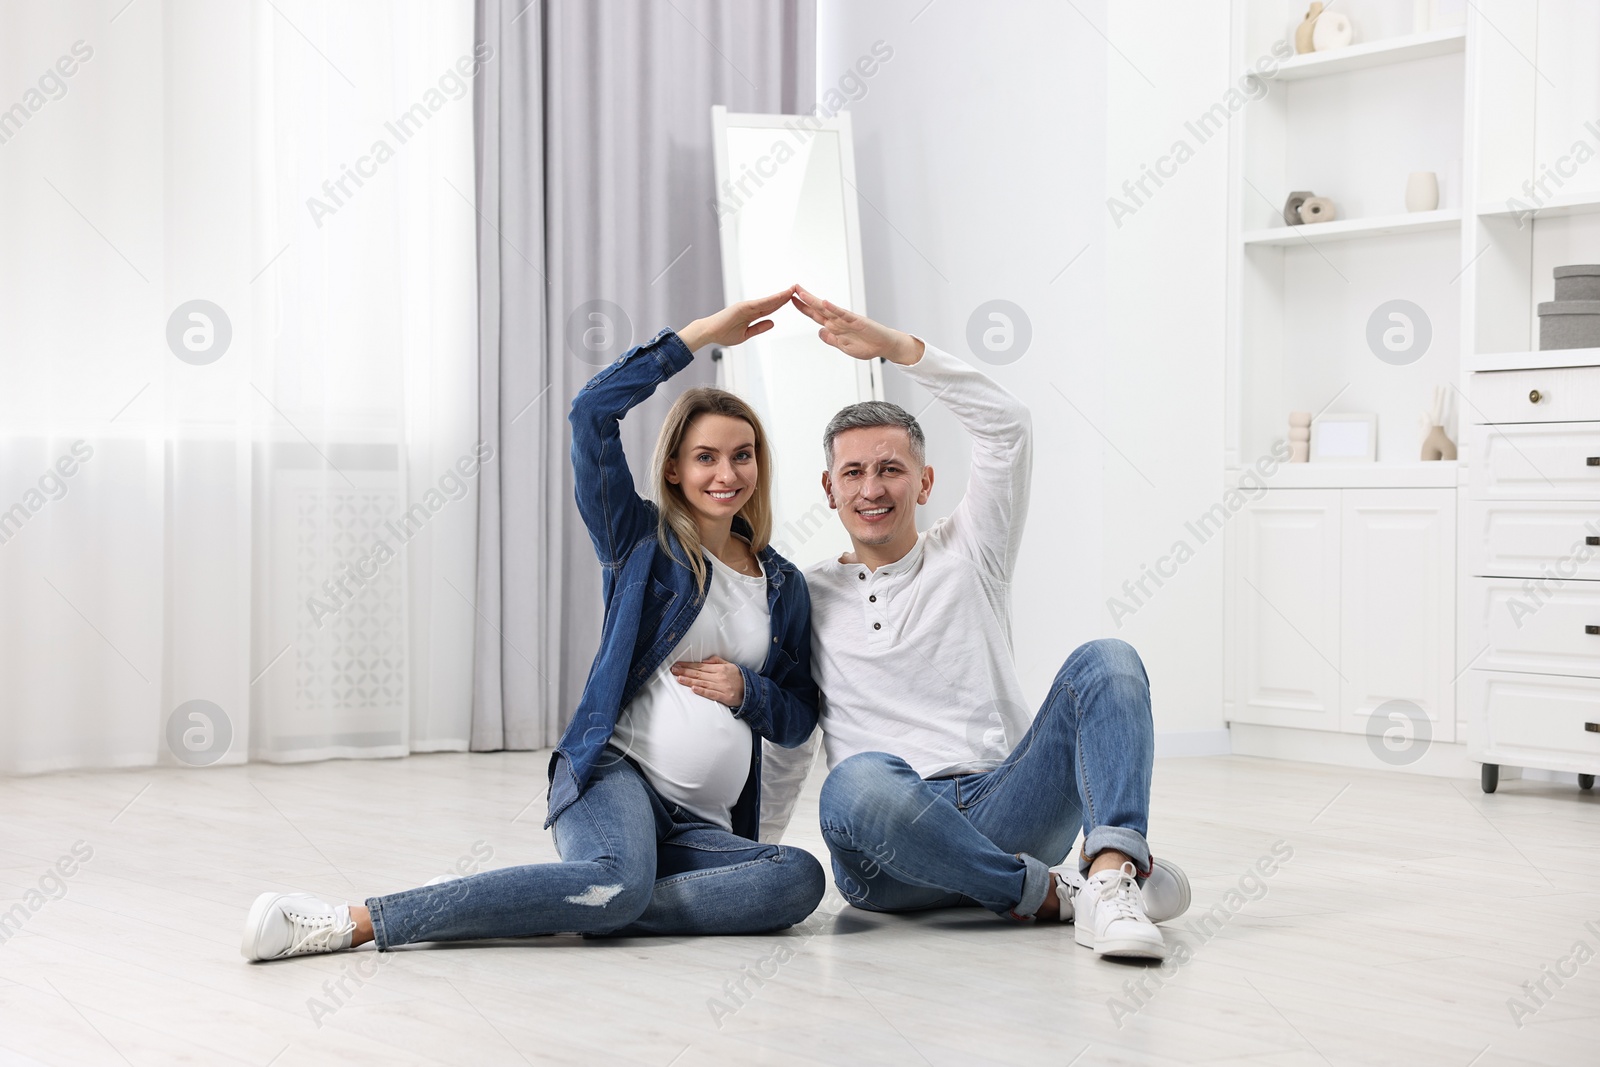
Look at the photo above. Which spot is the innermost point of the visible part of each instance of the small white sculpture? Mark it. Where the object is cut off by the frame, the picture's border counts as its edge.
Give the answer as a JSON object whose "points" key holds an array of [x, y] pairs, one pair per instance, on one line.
{"points": [[1299, 436], [1332, 30], [1318, 209]]}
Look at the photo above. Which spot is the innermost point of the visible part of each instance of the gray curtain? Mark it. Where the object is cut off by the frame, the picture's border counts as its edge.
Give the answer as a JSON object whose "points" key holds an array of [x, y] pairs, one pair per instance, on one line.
{"points": [[594, 182]]}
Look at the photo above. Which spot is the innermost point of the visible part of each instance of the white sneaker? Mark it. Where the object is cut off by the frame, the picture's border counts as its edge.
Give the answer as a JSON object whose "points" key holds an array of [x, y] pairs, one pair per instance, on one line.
{"points": [[1110, 917], [1166, 891], [294, 924]]}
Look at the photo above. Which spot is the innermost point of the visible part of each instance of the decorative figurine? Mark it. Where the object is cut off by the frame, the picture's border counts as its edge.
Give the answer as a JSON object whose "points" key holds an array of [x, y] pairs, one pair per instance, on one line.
{"points": [[1291, 206], [1437, 445], [1332, 30], [1303, 41], [1299, 436], [1318, 209]]}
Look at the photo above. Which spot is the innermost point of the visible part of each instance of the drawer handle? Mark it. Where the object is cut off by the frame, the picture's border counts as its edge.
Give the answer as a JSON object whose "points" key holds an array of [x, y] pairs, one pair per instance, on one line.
{"points": [[1592, 727], [1593, 461], [1591, 540], [1534, 396], [1591, 629]]}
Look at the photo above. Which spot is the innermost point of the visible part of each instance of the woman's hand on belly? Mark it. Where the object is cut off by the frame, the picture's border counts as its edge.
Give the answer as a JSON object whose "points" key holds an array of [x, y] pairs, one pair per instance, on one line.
{"points": [[714, 678]]}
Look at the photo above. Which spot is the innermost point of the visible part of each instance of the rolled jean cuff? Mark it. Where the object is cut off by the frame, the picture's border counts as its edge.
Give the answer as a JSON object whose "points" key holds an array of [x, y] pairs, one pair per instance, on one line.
{"points": [[1130, 843], [1035, 887], [380, 937]]}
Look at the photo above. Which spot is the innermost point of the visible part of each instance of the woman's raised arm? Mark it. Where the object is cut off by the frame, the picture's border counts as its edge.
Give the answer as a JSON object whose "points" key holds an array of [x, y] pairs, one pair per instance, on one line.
{"points": [[616, 516]]}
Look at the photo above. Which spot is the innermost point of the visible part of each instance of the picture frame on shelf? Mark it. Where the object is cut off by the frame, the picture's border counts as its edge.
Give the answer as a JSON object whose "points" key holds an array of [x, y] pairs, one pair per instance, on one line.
{"points": [[1344, 438]]}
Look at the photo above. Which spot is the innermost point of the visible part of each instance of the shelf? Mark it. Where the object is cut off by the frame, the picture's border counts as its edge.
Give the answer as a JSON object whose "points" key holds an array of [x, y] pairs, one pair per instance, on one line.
{"points": [[1441, 474], [1373, 54], [1315, 233], [1554, 208], [1550, 357]]}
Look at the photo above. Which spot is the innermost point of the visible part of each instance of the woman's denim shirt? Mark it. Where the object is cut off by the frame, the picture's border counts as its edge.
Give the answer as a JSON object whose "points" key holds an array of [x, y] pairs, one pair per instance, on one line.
{"points": [[651, 598]]}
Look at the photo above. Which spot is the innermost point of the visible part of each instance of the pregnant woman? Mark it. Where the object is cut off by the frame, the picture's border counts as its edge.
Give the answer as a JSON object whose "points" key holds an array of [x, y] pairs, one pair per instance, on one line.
{"points": [[706, 646]]}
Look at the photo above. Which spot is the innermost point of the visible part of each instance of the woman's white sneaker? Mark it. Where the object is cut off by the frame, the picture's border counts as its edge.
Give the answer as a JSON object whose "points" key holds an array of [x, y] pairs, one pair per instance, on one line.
{"points": [[295, 924], [1109, 917]]}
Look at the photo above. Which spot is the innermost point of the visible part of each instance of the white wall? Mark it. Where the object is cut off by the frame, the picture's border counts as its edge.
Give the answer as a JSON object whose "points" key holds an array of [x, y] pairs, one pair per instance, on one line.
{"points": [[980, 158], [1167, 297], [986, 149]]}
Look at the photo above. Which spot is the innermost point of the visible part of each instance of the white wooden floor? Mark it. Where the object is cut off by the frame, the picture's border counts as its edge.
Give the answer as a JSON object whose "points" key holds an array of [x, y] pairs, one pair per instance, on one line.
{"points": [[1406, 921]]}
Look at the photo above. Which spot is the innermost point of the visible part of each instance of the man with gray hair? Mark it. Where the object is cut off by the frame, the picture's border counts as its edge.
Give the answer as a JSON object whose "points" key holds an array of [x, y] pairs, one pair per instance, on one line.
{"points": [[943, 790]]}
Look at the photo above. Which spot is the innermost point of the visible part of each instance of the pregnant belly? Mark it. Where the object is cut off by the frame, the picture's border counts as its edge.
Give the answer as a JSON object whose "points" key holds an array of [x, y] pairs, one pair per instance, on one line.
{"points": [[693, 750]]}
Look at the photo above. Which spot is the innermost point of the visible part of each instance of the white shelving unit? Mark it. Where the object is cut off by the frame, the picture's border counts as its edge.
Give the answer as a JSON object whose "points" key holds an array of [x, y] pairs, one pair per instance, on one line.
{"points": [[1497, 108], [1355, 229], [1555, 357], [1374, 54], [1555, 207], [1419, 475]]}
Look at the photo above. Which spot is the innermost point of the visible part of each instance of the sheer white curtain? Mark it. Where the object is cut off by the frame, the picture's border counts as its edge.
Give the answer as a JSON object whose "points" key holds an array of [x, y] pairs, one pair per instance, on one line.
{"points": [[264, 550]]}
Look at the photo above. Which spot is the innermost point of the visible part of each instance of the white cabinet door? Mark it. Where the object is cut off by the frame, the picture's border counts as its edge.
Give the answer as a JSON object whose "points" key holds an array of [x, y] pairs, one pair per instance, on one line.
{"points": [[1397, 596], [1287, 602]]}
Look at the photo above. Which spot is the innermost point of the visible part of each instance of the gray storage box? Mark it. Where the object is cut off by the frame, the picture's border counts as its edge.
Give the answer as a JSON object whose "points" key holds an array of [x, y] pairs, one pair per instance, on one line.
{"points": [[1569, 324], [1581, 281]]}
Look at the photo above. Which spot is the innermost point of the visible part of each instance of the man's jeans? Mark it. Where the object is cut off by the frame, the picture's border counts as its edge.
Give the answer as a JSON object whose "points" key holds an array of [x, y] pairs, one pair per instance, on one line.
{"points": [[903, 843], [631, 864]]}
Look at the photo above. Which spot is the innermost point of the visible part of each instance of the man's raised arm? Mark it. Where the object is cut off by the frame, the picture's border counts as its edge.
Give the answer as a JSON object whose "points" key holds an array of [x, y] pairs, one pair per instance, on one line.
{"points": [[987, 523]]}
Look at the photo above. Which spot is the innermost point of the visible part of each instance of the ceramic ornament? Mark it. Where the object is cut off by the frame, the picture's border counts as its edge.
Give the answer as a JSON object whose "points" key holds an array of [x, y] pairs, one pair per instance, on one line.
{"points": [[1332, 30], [1299, 436], [1318, 209], [1436, 445], [1303, 33], [1291, 206], [1422, 191]]}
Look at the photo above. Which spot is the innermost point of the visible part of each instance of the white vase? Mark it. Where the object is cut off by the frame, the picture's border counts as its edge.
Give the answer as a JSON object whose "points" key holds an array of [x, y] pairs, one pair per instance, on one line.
{"points": [[1422, 191], [1333, 30]]}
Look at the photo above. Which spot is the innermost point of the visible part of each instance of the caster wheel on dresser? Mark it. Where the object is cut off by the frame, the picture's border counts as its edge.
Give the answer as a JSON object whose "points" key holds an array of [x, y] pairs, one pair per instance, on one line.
{"points": [[1585, 781], [1491, 776]]}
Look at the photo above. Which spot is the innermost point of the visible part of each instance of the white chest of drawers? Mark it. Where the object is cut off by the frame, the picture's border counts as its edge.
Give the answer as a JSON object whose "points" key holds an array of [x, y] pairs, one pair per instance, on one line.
{"points": [[1532, 544]]}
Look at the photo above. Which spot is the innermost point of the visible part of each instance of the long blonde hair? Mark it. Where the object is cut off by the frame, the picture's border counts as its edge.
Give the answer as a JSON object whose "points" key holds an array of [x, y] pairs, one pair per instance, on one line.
{"points": [[675, 513]]}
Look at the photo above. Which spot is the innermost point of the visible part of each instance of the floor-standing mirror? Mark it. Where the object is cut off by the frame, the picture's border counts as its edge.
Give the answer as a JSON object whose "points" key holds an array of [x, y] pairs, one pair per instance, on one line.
{"points": [[786, 203]]}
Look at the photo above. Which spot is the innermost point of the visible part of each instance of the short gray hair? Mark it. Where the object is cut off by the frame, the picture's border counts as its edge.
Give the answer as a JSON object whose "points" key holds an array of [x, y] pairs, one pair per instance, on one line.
{"points": [[871, 413]]}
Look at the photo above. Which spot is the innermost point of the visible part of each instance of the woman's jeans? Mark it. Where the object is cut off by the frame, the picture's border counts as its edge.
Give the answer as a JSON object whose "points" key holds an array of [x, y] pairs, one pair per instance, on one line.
{"points": [[904, 843], [631, 864]]}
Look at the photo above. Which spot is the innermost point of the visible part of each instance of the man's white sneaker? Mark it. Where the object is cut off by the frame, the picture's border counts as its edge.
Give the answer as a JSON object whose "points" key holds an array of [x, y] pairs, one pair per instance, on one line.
{"points": [[1166, 891], [294, 924], [1067, 882], [1109, 917]]}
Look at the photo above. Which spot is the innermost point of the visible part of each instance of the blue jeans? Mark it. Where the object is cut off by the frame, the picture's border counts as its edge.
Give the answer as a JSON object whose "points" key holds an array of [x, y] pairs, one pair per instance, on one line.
{"points": [[630, 864], [904, 843]]}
